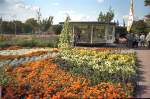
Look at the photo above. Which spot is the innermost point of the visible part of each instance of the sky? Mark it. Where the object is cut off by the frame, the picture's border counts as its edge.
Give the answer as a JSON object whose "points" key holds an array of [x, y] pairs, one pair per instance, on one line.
{"points": [[78, 10]]}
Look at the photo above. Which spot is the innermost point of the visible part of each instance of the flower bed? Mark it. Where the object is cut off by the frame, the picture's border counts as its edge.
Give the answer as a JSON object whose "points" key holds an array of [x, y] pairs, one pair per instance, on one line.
{"points": [[44, 79], [16, 57], [22, 56], [24, 51], [70, 73], [99, 66]]}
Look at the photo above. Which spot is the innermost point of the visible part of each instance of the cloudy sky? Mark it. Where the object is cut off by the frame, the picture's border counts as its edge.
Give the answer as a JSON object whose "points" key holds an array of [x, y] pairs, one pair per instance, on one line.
{"points": [[78, 10]]}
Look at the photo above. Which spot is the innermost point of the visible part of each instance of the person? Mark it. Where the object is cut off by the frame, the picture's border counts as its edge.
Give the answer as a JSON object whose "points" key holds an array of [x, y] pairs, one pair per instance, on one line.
{"points": [[142, 40], [148, 39], [130, 40], [136, 41]]}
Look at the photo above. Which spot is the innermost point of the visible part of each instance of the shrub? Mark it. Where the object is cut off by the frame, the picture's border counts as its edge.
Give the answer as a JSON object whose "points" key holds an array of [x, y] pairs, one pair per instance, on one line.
{"points": [[65, 36], [33, 42]]}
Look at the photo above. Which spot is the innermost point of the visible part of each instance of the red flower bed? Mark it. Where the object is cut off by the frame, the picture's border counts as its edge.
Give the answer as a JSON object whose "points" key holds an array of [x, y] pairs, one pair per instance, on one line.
{"points": [[44, 79]]}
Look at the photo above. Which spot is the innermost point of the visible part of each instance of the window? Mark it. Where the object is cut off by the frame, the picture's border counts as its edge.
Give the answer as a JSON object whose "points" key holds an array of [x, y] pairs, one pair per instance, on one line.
{"points": [[99, 31]]}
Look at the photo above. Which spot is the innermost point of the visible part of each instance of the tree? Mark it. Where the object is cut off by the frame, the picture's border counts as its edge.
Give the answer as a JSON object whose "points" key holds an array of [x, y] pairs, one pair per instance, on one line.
{"points": [[57, 29], [147, 2], [117, 23], [46, 23], [26, 28], [19, 26], [139, 27], [110, 15], [124, 24], [1, 25], [101, 17], [107, 18], [32, 24], [65, 36], [8, 27]]}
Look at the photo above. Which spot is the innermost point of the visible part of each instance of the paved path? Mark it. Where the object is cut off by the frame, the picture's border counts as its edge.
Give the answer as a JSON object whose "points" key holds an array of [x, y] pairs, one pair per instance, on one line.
{"points": [[143, 91]]}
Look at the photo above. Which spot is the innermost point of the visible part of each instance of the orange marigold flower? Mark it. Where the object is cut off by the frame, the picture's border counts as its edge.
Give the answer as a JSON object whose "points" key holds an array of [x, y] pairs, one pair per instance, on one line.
{"points": [[119, 85]]}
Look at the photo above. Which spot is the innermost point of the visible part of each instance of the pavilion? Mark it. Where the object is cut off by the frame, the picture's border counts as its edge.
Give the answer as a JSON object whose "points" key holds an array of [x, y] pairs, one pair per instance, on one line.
{"points": [[93, 32]]}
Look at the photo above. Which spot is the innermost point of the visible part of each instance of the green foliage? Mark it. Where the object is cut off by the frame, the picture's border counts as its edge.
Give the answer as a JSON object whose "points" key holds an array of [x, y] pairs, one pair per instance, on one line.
{"points": [[139, 26], [117, 23], [108, 17], [32, 24], [147, 2], [9, 27], [33, 42], [147, 21], [124, 24], [45, 24], [5, 44], [65, 36], [57, 29], [38, 43], [101, 17]]}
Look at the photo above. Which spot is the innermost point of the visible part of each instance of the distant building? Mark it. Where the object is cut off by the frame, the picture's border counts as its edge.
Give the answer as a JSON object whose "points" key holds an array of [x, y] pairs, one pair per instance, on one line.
{"points": [[92, 32]]}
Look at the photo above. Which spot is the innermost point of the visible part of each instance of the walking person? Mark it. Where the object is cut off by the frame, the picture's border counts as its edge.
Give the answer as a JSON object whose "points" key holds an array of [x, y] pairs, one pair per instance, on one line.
{"points": [[142, 40], [148, 39], [136, 41], [130, 39]]}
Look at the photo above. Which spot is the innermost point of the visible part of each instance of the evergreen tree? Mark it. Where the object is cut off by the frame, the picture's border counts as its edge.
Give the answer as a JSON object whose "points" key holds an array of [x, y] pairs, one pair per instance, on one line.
{"points": [[114, 21], [1, 25], [117, 23], [65, 36], [106, 17], [110, 15], [101, 17], [124, 24]]}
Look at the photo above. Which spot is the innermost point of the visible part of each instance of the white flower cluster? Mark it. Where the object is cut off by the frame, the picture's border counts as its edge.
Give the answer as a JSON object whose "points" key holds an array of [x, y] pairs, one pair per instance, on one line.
{"points": [[23, 51], [17, 62]]}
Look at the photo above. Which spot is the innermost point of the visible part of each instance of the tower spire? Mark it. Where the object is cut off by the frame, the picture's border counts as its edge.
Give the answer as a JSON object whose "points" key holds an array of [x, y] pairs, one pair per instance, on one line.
{"points": [[131, 16]]}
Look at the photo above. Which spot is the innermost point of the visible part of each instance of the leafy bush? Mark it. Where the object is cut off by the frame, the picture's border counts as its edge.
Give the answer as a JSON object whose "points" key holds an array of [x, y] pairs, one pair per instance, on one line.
{"points": [[65, 36]]}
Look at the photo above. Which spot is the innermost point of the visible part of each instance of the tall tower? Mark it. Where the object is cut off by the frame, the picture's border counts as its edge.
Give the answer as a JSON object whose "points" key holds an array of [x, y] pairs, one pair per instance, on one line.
{"points": [[131, 16]]}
